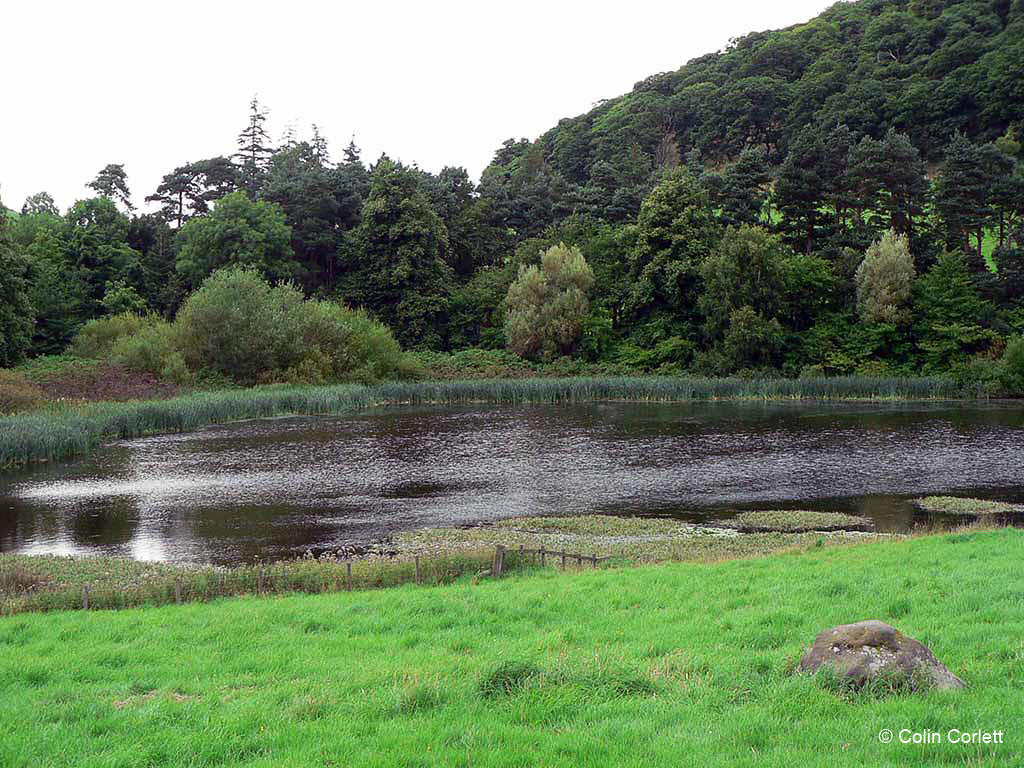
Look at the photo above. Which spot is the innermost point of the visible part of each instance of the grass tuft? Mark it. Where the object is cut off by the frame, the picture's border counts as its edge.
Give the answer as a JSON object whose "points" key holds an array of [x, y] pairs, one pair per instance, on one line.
{"points": [[507, 678]]}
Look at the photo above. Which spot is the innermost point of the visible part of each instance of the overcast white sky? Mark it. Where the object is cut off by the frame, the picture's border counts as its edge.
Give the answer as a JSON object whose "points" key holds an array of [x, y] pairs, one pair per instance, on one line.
{"points": [[154, 85]]}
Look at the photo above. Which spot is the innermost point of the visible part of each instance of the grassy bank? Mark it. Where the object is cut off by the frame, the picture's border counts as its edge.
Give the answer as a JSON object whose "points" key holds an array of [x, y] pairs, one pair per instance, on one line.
{"points": [[667, 665], [30, 583], [60, 432], [430, 556]]}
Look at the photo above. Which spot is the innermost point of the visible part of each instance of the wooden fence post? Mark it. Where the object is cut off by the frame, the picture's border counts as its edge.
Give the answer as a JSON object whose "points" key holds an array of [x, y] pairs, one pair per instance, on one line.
{"points": [[259, 581], [85, 597], [563, 561], [417, 569], [579, 561], [499, 561], [543, 552], [593, 560], [348, 575], [177, 591]]}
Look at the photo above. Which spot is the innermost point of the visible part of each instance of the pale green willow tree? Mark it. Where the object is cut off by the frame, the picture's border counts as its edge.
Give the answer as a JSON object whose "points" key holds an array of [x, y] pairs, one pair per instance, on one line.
{"points": [[547, 304], [885, 281]]}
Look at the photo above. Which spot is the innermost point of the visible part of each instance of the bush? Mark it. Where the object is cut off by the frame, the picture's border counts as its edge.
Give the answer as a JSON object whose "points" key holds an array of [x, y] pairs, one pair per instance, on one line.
{"points": [[879, 369], [344, 344], [17, 393], [97, 337], [1012, 364], [239, 327], [153, 349], [813, 371]]}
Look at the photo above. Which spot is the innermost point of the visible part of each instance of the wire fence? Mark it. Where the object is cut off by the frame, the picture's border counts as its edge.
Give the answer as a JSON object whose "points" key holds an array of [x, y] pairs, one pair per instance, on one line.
{"points": [[22, 591]]}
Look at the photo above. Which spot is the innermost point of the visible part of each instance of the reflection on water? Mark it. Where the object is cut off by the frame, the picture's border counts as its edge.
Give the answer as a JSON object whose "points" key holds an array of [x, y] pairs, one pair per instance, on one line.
{"points": [[269, 489]]}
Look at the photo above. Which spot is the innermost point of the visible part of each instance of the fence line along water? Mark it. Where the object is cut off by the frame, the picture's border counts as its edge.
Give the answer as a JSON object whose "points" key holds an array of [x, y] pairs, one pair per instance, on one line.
{"points": [[49, 583], [63, 431]]}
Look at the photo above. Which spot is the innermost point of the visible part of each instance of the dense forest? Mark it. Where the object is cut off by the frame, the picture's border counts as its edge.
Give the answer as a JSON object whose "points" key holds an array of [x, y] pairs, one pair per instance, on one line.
{"points": [[843, 196]]}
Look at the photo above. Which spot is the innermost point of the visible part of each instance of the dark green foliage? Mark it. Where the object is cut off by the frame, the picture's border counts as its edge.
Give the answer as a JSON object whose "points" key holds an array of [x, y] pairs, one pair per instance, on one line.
{"points": [[313, 197], [1012, 365], [477, 309], [888, 181], [819, 134], [398, 270], [740, 192], [254, 150], [96, 248], [755, 290], [675, 232], [16, 313], [925, 69], [949, 314], [189, 190], [41, 202], [112, 183], [239, 232], [964, 192]]}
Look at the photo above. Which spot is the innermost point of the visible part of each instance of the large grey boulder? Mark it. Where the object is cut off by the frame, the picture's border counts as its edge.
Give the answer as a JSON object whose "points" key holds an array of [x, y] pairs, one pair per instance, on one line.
{"points": [[871, 650]]}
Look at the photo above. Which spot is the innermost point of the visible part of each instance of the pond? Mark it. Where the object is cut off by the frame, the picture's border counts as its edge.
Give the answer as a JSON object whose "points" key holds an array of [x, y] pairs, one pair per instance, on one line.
{"points": [[277, 488]]}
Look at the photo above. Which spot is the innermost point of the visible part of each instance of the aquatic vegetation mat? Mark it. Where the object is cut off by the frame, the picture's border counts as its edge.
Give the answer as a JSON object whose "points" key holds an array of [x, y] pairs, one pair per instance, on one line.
{"points": [[795, 521], [956, 505], [634, 539]]}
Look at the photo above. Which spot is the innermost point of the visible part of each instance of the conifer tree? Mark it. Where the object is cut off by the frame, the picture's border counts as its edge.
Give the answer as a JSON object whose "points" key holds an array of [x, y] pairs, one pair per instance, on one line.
{"points": [[254, 150], [112, 183]]}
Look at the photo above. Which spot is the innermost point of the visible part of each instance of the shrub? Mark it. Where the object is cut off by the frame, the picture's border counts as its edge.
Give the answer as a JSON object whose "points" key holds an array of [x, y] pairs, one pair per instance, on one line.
{"points": [[97, 337], [547, 305], [17, 393], [877, 368], [813, 371], [238, 325], [346, 344], [1012, 364], [152, 349], [751, 340], [121, 298]]}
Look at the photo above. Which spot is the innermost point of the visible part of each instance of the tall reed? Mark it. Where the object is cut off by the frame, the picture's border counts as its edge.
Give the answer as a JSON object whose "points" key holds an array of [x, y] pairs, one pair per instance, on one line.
{"points": [[61, 432]]}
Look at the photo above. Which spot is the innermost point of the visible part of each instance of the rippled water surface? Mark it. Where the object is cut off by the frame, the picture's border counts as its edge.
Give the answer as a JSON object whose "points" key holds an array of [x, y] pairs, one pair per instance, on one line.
{"points": [[270, 489]]}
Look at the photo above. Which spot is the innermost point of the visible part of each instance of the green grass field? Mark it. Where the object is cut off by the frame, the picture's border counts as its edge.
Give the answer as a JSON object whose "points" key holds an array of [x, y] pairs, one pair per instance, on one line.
{"points": [[682, 664]]}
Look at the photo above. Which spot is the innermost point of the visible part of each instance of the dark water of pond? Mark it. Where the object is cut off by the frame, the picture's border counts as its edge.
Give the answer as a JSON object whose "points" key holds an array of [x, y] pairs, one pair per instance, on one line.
{"points": [[275, 488]]}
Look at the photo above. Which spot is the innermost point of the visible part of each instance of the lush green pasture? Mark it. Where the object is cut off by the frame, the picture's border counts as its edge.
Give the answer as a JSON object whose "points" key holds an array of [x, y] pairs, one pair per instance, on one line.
{"points": [[61, 432], [681, 664]]}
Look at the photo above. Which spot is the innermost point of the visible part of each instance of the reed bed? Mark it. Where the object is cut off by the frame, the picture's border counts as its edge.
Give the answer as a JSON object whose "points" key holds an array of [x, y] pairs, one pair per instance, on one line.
{"points": [[33, 583], [64, 431]]}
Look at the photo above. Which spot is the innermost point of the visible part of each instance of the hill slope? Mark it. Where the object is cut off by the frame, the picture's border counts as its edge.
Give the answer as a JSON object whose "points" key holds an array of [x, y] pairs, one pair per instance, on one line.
{"points": [[927, 68]]}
